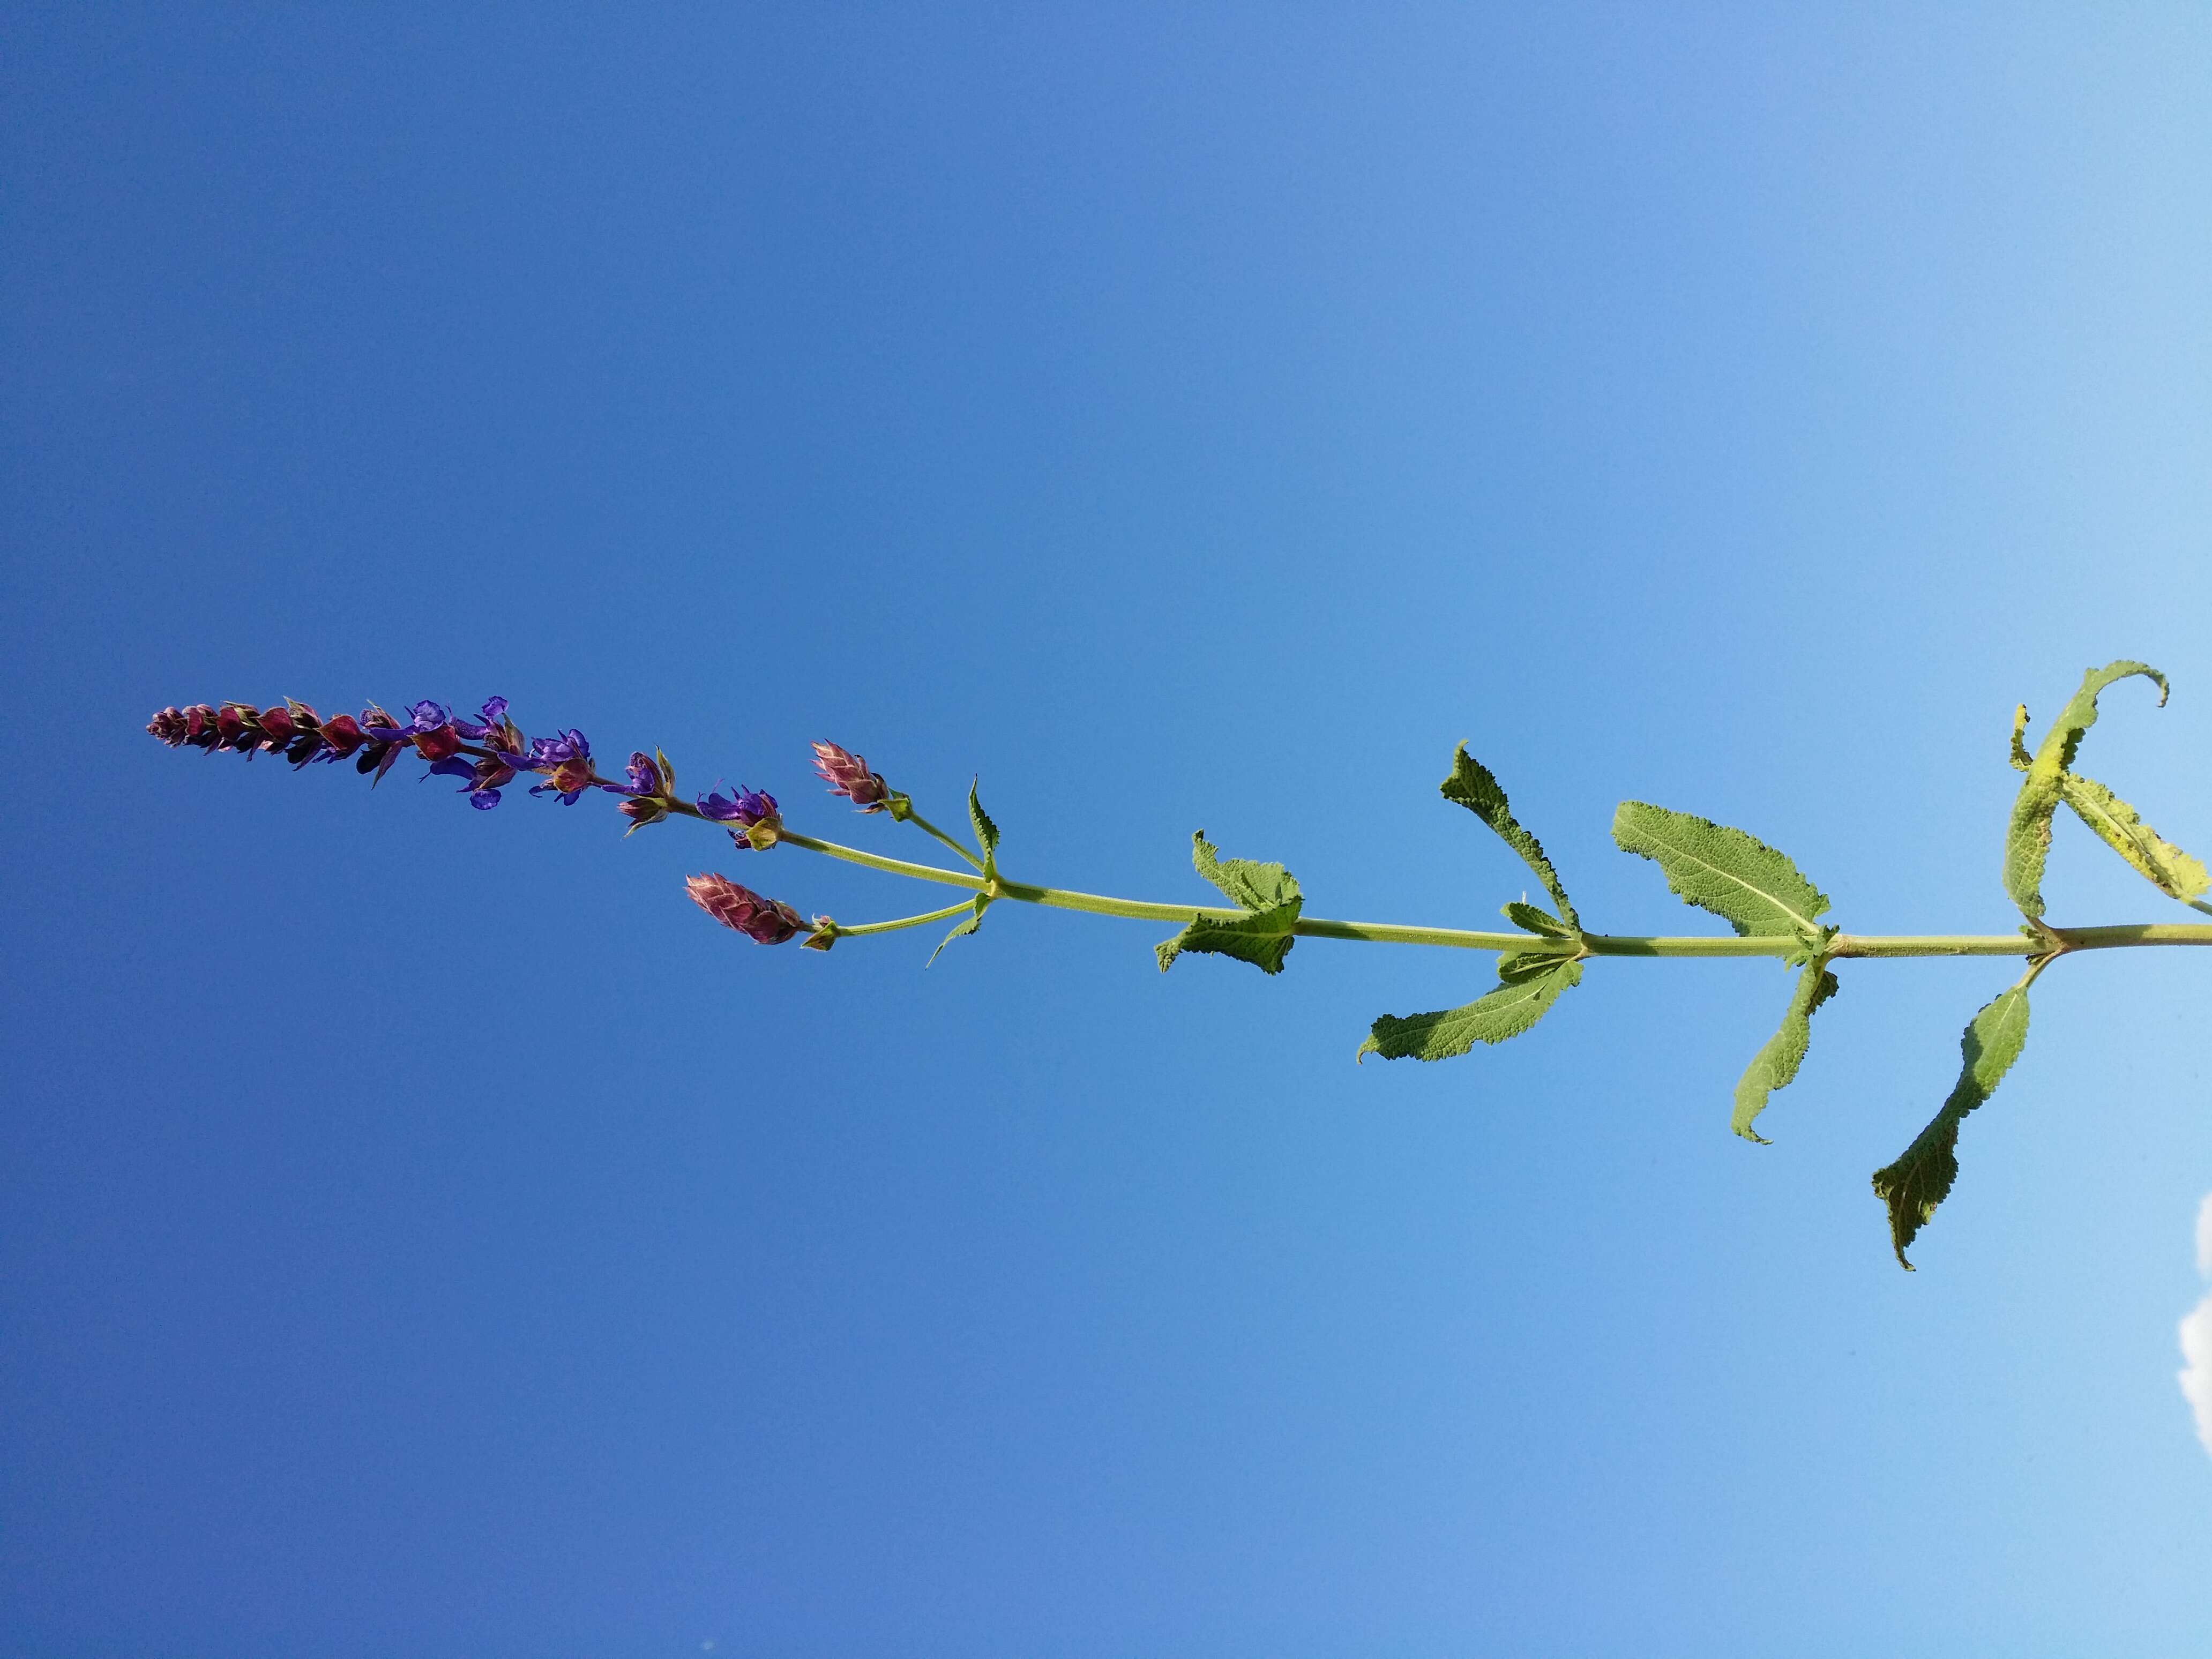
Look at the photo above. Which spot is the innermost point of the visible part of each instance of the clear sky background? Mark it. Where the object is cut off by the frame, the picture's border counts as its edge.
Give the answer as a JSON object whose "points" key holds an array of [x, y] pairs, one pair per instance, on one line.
{"points": [[425, 1233]]}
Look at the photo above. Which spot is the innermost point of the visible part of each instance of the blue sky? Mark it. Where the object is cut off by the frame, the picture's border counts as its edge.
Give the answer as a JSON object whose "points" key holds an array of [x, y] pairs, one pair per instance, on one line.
{"points": [[424, 1231]]}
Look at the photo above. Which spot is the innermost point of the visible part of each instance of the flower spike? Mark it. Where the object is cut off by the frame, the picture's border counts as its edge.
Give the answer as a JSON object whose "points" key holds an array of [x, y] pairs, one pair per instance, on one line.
{"points": [[764, 921]]}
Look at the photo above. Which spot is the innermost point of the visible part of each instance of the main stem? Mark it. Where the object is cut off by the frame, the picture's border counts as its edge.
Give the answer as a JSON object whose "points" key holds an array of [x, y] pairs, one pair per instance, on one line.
{"points": [[1596, 944]]}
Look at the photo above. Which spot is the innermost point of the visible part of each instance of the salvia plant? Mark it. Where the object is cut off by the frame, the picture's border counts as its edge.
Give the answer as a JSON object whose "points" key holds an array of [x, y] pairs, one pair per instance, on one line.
{"points": [[1772, 909]]}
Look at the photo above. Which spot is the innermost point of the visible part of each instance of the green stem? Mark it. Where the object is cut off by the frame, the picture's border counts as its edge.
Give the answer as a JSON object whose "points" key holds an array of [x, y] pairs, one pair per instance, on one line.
{"points": [[1884, 946], [927, 828], [945, 914], [877, 861]]}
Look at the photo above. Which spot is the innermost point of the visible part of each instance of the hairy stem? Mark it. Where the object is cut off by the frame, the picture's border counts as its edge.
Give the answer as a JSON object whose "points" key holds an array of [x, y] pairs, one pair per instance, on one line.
{"points": [[945, 914], [1596, 944], [929, 828]]}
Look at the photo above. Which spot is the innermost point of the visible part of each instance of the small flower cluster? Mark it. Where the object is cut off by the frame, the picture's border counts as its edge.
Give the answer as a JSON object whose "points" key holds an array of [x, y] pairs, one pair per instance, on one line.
{"points": [[753, 812]]}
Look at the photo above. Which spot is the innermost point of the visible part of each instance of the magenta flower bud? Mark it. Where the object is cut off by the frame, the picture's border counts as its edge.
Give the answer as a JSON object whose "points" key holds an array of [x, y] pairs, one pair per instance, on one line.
{"points": [[238, 725], [343, 735], [440, 743], [846, 773], [765, 920]]}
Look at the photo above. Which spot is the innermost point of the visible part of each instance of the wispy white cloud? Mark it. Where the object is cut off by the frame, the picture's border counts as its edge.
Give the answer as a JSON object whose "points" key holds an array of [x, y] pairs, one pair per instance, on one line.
{"points": [[2197, 1335], [2196, 1376]]}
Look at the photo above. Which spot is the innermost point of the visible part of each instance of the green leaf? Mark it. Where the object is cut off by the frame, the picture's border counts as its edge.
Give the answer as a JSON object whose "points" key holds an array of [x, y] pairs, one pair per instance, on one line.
{"points": [[986, 833], [2172, 871], [1262, 940], [1268, 893], [1536, 920], [1507, 1011], [1774, 1066], [1473, 788], [2027, 833], [1250, 886], [1754, 888], [966, 925], [1918, 1182]]}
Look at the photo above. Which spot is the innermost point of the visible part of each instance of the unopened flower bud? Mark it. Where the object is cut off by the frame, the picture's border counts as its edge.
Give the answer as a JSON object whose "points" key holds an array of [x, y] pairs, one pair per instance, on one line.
{"points": [[846, 773], [765, 920]]}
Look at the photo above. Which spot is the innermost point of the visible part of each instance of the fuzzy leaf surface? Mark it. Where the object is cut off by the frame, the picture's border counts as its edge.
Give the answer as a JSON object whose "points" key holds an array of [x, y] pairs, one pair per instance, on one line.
{"points": [[1741, 879], [1535, 920], [1263, 940], [1472, 785], [1507, 1011], [2172, 871], [2027, 832], [1921, 1179], [1249, 885], [1774, 1066], [1268, 893]]}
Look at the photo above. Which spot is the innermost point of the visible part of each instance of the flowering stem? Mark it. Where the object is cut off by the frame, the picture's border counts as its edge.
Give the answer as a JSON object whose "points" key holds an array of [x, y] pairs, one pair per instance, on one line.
{"points": [[877, 861], [946, 915], [927, 828], [2052, 943], [1594, 945]]}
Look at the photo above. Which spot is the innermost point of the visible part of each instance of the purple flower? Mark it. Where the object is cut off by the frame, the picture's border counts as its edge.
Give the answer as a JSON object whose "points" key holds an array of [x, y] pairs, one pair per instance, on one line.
{"points": [[563, 781], [847, 775], [741, 806], [755, 823], [548, 753], [428, 716], [495, 716], [566, 761], [652, 789], [485, 778]]}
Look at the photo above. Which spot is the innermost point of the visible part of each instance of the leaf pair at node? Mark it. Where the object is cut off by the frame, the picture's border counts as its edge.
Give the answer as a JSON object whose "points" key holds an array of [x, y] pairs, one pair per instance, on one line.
{"points": [[987, 837], [2051, 779], [1922, 1178], [1267, 895], [1758, 891], [1529, 980]]}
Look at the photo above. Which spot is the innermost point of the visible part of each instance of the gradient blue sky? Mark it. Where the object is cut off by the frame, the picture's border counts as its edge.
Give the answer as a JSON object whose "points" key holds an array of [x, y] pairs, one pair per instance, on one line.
{"points": [[424, 1232]]}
